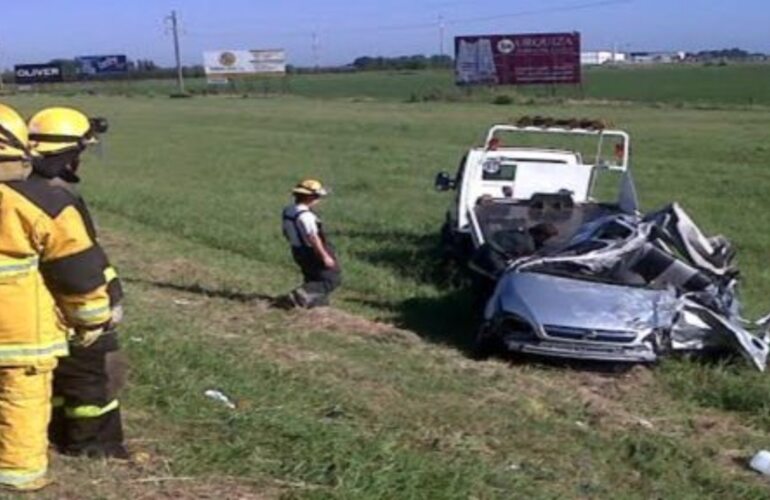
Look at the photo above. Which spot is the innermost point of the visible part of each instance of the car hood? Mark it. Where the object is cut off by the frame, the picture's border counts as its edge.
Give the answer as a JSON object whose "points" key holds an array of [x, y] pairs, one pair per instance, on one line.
{"points": [[553, 300]]}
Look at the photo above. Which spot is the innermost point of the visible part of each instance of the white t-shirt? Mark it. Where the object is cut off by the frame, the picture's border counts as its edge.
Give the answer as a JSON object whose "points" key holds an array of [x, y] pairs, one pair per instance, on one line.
{"points": [[299, 223]]}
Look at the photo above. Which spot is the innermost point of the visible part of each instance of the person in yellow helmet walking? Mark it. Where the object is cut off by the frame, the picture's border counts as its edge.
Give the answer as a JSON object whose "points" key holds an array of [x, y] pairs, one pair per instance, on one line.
{"points": [[86, 411], [310, 247], [42, 299]]}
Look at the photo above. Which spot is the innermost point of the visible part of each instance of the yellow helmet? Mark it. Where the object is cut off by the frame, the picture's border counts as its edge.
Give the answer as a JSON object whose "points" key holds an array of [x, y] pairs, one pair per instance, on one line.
{"points": [[14, 138], [310, 187], [57, 130]]}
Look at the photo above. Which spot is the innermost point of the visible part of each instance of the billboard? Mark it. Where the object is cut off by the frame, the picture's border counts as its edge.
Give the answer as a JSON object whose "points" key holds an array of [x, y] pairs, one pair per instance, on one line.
{"points": [[224, 63], [38, 73], [102, 65], [545, 58]]}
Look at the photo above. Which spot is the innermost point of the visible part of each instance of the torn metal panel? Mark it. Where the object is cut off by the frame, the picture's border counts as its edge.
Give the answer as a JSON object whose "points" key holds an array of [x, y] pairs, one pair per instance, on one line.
{"points": [[700, 328], [713, 255]]}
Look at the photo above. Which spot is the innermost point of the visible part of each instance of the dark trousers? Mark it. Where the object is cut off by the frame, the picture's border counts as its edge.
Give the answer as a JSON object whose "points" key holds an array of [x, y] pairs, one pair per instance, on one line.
{"points": [[318, 280], [86, 416]]}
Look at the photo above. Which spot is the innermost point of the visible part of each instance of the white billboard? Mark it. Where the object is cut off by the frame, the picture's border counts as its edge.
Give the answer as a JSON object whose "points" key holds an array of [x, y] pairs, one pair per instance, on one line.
{"points": [[244, 62]]}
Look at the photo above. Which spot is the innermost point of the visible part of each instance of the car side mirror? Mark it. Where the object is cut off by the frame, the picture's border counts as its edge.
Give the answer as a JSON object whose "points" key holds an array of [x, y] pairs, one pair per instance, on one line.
{"points": [[444, 182]]}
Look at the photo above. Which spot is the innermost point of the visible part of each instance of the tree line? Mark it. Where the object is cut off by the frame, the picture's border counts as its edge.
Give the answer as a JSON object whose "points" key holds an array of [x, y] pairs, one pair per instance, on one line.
{"points": [[733, 54], [415, 62]]}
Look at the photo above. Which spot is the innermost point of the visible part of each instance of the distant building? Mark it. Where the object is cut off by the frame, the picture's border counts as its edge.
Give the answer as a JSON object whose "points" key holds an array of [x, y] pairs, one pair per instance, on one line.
{"points": [[596, 58], [656, 57]]}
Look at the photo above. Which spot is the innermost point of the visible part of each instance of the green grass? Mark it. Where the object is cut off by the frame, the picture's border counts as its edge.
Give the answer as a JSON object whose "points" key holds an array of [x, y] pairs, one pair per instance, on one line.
{"points": [[681, 85], [190, 193], [746, 84]]}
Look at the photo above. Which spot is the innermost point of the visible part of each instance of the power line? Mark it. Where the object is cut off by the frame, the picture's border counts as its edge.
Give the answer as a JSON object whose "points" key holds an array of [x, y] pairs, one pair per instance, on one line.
{"points": [[470, 20], [443, 22], [547, 10]]}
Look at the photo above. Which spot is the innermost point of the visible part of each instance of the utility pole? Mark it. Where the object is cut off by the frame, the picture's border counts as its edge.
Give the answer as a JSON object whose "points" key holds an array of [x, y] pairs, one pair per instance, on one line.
{"points": [[175, 31], [2, 84], [441, 29], [316, 55]]}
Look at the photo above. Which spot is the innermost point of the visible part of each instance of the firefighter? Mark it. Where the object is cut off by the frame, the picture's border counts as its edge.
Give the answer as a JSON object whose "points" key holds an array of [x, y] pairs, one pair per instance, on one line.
{"points": [[51, 284], [310, 247], [86, 414]]}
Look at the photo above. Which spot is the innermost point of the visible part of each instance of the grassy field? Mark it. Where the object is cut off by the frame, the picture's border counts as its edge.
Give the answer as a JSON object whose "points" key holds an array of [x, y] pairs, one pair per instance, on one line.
{"points": [[376, 398], [691, 85]]}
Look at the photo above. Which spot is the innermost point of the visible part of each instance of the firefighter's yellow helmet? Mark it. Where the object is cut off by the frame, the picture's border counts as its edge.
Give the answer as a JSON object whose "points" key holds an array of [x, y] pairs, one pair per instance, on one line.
{"points": [[57, 130], [14, 138], [310, 187]]}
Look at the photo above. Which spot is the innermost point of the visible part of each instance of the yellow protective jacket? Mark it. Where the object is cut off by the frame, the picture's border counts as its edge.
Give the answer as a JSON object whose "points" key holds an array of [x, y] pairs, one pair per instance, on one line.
{"points": [[114, 285], [52, 272]]}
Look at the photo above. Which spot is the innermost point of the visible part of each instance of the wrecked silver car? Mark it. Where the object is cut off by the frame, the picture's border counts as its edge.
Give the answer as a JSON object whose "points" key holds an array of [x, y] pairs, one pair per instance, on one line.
{"points": [[566, 275]]}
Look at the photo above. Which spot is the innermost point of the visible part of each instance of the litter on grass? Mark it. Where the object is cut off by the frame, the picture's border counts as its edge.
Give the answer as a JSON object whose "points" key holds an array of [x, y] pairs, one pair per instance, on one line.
{"points": [[220, 397]]}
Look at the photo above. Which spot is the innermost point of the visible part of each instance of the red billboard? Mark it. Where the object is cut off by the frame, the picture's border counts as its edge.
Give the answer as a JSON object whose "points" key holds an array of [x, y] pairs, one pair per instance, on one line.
{"points": [[544, 58]]}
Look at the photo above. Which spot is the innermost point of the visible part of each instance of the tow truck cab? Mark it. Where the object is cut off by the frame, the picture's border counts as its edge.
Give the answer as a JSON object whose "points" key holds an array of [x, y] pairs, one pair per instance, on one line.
{"points": [[510, 185]]}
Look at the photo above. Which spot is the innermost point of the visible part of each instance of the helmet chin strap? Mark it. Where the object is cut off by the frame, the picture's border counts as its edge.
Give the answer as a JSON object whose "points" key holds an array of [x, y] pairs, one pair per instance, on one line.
{"points": [[7, 137]]}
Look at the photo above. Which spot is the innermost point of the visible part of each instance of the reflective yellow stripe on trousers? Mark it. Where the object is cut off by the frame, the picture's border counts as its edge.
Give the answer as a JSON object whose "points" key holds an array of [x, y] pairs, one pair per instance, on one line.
{"points": [[20, 477], [90, 411]]}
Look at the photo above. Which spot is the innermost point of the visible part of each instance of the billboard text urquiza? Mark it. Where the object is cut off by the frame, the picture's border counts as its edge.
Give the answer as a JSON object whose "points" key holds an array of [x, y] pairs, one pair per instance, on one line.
{"points": [[545, 58]]}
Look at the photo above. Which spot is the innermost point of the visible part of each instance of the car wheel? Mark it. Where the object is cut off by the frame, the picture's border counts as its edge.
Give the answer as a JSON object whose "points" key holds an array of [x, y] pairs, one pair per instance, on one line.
{"points": [[486, 345]]}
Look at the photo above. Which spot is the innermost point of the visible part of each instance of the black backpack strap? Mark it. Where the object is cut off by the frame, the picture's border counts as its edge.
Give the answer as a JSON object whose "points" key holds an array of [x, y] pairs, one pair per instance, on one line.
{"points": [[294, 219]]}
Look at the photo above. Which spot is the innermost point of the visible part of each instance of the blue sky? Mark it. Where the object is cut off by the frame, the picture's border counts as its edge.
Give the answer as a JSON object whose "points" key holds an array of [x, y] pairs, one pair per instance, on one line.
{"points": [[43, 29]]}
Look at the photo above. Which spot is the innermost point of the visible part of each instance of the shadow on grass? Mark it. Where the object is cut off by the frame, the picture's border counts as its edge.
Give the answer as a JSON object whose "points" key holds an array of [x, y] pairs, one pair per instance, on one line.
{"points": [[446, 320], [416, 257], [208, 292], [449, 320]]}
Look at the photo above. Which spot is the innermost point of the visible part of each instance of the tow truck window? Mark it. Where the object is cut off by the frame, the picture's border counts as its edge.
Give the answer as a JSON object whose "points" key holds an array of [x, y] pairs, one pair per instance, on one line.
{"points": [[500, 172]]}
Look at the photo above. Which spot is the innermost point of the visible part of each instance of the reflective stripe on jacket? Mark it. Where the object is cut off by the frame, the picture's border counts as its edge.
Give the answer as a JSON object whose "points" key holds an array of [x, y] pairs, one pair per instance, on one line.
{"points": [[52, 274]]}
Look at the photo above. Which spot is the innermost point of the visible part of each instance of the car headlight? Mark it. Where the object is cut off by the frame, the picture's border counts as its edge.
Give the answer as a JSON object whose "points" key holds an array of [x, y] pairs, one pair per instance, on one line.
{"points": [[516, 328]]}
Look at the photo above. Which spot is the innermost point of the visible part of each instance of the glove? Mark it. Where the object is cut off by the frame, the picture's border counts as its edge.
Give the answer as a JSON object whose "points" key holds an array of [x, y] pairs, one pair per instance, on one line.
{"points": [[117, 315], [86, 338]]}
